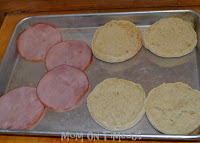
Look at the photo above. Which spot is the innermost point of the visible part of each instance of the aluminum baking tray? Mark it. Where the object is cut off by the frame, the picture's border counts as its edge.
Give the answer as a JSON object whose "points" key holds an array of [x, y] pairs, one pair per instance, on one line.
{"points": [[145, 68]]}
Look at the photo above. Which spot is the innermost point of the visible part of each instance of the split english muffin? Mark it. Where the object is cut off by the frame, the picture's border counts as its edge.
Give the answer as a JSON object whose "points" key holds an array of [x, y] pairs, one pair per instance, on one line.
{"points": [[116, 104], [170, 37], [116, 41], [173, 108]]}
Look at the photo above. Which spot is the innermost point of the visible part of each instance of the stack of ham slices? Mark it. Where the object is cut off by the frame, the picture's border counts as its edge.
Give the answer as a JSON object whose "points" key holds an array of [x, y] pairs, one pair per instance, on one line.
{"points": [[59, 89]]}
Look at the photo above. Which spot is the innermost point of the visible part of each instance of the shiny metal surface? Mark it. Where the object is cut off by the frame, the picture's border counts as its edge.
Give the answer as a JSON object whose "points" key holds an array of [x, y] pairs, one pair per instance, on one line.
{"points": [[145, 68]]}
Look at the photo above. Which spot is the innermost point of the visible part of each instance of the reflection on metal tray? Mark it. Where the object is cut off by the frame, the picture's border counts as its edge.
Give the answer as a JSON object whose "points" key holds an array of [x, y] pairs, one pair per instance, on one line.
{"points": [[145, 68]]}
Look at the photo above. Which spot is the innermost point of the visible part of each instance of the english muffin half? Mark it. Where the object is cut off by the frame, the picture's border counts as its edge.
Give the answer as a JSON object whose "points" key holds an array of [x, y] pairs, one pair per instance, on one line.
{"points": [[116, 41], [116, 104], [170, 37], [173, 108]]}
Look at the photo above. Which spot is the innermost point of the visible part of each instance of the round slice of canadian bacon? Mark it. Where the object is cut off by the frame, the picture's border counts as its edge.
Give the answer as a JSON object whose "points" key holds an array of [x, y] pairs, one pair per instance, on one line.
{"points": [[20, 108], [34, 43], [73, 52], [62, 87]]}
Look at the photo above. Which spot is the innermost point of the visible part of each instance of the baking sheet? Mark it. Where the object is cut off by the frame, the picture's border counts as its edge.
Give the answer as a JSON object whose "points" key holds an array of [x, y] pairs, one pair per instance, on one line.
{"points": [[145, 68]]}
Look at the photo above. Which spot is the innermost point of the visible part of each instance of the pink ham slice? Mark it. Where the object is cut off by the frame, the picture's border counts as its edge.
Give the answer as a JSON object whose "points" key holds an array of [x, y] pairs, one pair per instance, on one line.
{"points": [[20, 108], [62, 87], [74, 53], [34, 43]]}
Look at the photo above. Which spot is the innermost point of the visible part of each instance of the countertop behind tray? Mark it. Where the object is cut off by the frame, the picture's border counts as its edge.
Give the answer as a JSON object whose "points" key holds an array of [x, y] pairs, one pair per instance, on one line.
{"points": [[7, 27]]}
